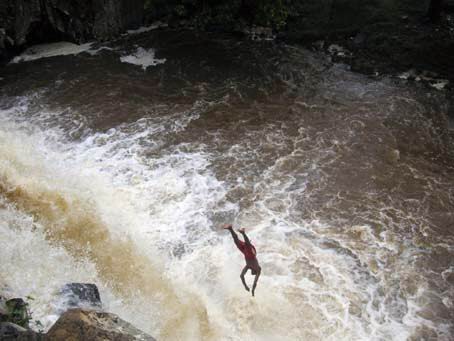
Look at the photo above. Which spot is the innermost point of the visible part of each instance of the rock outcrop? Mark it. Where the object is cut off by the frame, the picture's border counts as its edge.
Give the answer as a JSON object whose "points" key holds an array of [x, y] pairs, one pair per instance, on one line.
{"points": [[14, 319], [14, 310], [34, 21], [11, 331], [78, 324], [79, 295], [81, 319]]}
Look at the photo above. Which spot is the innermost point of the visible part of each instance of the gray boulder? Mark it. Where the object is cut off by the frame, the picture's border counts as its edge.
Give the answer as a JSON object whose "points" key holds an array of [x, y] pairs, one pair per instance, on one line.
{"points": [[78, 324], [79, 295]]}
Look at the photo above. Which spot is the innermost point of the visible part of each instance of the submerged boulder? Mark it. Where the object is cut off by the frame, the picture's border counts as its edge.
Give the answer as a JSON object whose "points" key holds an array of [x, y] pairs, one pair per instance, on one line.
{"points": [[79, 324]]}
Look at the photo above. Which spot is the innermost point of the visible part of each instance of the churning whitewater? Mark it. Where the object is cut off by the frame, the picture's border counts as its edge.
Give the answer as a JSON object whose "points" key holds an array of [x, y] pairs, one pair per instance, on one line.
{"points": [[120, 176]]}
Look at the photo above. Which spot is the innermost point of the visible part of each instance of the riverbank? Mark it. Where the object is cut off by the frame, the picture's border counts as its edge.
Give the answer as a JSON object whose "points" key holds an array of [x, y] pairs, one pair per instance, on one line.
{"points": [[373, 38], [407, 45], [412, 47]]}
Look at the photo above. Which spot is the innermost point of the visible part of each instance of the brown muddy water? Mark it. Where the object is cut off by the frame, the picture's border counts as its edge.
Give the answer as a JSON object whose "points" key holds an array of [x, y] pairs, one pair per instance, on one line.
{"points": [[121, 176]]}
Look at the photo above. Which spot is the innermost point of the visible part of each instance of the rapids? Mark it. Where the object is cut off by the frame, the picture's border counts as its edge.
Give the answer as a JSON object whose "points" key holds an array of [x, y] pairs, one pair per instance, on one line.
{"points": [[120, 175]]}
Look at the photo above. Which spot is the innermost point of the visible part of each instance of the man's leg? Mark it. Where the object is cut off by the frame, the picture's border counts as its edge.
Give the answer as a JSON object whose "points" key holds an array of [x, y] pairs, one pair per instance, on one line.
{"points": [[245, 269], [256, 280]]}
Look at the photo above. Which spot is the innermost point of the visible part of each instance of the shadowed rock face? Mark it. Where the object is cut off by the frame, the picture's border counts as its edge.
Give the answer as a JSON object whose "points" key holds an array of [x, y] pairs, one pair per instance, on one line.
{"points": [[11, 331], [80, 319], [27, 22]]}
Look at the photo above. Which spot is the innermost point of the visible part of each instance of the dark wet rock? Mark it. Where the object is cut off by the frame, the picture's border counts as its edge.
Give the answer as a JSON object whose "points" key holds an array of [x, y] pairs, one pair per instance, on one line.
{"points": [[79, 295], [26, 22], [112, 17], [3, 310], [3, 38], [383, 37], [398, 48], [434, 12], [11, 331], [14, 318], [88, 323], [260, 33], [451, 110], [360, 39], [78, 324]]}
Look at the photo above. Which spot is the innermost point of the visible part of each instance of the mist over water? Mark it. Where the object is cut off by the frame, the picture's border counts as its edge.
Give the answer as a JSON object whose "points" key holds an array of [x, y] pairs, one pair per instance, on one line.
{"points": [[121, 177]]}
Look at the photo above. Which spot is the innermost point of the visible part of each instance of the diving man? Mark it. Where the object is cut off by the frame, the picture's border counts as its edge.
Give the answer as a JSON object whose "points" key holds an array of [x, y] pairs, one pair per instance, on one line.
{"points": [[249, 253]]}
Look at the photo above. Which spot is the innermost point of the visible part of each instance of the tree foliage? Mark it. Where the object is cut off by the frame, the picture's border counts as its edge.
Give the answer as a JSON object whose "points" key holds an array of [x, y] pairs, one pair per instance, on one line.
{"points": [[271, 13]]}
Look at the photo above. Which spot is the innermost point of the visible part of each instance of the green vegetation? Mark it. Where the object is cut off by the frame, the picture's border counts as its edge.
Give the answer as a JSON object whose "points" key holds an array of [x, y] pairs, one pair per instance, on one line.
{"points": [[282, 14], [225, 13], [16, 312], [271, 13]]}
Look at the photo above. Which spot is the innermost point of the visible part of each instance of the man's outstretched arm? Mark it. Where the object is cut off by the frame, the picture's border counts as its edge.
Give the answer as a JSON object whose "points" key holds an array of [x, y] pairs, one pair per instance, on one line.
{"points": [[233, 233], [246, 239]]}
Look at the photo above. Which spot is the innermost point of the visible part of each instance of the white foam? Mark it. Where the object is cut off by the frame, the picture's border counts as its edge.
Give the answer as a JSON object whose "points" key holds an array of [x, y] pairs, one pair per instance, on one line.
{"points": [[439, 84], [166, 205], [161, 204], [143, 57], [428, 77], [25, 253], [51, 50], [338, 50], [152, 27], [93, 52]]}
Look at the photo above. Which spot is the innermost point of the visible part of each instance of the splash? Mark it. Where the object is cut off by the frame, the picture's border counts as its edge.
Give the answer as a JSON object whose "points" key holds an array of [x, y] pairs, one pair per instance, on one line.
{"points": [[71, 220], [342, 226], [51, 50], [143, 57]]}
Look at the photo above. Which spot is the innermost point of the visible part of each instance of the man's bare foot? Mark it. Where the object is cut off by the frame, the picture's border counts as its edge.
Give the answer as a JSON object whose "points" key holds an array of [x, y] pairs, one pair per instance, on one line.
{"points": [[247, 288], [227, 226]]}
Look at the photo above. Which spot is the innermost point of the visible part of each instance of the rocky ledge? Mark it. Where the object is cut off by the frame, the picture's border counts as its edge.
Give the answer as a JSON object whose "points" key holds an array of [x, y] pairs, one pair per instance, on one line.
{"points": [[26, 22], [79, 324], [81, 319]]}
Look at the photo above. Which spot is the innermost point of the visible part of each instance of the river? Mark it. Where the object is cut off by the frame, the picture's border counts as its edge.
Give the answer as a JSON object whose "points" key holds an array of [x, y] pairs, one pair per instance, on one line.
{"points": [[121, 176]]}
